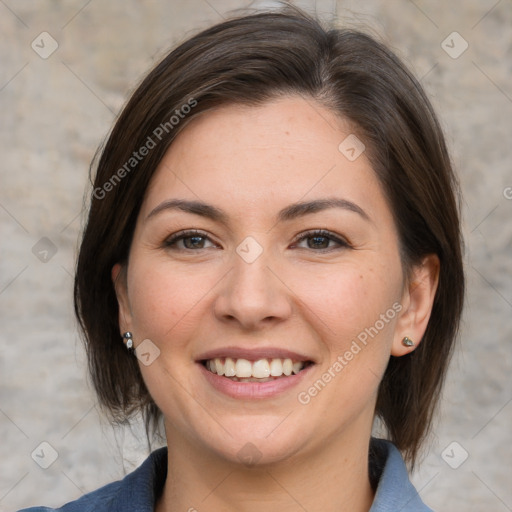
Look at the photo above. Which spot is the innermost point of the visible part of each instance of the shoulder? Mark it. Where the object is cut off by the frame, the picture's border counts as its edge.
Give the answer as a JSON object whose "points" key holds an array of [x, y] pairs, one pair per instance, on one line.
{"points": [[136, 491], [99, 500], [394, 489]]}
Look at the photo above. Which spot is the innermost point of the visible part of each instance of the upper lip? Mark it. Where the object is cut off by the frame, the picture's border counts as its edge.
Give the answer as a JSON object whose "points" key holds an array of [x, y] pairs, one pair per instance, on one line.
{"points": [[253, 354]]}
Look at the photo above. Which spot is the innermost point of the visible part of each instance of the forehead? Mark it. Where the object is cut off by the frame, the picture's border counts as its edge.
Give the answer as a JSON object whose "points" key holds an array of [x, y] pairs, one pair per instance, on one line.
{"points": [[283, 151]]}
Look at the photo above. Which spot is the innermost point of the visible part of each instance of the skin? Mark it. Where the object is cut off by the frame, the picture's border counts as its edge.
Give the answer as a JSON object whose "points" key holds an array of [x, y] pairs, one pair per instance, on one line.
{"points": [[251, 162]]}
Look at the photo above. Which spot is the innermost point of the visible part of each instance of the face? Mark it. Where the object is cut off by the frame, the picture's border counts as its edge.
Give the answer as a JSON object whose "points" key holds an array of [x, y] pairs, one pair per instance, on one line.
{"points": [[301, 306]]}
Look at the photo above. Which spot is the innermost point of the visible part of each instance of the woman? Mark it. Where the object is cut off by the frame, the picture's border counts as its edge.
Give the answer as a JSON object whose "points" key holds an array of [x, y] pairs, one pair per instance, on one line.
{"points": [[272, 262]]}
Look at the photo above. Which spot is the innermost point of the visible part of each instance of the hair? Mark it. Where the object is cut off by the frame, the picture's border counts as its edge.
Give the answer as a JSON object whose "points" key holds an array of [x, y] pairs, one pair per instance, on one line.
{"points": [[250, 60]]}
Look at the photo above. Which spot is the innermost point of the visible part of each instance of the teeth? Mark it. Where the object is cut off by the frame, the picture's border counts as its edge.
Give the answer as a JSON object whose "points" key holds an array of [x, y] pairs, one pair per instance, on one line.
{"points": [[287, 367], [229, 367], [243, 368], [276, 368], [297, 367], [263, 369], [219, 367], [260, 369]]}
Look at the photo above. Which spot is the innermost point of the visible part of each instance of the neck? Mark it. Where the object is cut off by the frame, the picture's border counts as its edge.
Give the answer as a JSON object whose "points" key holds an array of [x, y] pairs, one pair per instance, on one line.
{"points": [[334, 479]]}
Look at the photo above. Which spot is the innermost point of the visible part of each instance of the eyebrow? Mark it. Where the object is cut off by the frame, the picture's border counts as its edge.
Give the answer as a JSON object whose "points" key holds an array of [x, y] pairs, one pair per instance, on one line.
{"points": [[288, 213]]}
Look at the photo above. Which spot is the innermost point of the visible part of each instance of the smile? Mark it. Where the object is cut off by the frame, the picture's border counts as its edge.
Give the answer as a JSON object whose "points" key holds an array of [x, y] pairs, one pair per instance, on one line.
{"points": [[261, 370], [254, 373]]}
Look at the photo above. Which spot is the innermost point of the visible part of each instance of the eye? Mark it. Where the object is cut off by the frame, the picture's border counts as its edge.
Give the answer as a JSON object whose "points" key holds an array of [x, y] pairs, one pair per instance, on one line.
{"points": [[192, 240], [321, 239]]}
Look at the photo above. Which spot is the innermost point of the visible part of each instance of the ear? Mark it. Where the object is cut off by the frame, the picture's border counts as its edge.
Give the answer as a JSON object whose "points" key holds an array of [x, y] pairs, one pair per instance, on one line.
{"points": [[417, 302], [121, 288]]}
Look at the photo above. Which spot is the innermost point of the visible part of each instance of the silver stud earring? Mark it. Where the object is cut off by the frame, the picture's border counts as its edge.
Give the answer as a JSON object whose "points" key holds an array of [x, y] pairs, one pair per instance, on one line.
{"points": [[407, 342], [128, 337]]}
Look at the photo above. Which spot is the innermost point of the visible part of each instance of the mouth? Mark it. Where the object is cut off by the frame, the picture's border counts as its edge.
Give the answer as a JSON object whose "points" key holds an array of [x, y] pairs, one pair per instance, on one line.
{"points": [[259, 370], [254, 373]]}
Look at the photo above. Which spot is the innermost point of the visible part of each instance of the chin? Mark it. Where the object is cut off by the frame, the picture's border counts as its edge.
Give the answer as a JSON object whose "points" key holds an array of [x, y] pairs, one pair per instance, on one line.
{"points": [[256, 441]]}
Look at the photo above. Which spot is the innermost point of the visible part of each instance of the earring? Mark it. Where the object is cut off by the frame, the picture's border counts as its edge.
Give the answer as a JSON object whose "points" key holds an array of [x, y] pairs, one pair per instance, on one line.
{"points": [[407, 342], [128, 340]]}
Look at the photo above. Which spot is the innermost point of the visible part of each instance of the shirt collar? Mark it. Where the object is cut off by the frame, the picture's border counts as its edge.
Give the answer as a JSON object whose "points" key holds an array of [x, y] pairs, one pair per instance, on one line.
{"points": [[394, 493]]}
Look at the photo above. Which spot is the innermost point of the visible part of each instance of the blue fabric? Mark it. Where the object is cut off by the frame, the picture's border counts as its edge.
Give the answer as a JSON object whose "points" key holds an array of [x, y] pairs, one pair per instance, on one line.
{"points": [[395, 493], [139, 490]]}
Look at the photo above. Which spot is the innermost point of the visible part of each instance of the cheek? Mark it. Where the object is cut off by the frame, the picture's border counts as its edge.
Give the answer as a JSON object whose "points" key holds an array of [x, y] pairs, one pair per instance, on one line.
{"points": [[347, 300], [164, 299]]}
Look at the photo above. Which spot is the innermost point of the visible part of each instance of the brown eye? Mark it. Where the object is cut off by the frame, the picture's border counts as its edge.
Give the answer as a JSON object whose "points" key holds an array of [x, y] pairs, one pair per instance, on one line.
{"points": [[320, 240], [187, 240]]}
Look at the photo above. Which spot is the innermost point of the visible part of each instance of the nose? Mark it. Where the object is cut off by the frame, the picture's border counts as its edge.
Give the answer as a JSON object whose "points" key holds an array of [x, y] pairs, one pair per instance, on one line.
{"points": [[253, 295]]}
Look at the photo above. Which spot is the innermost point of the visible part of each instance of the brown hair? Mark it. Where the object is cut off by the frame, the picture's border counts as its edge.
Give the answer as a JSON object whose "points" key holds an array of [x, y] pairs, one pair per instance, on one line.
{"points": [[249, 60]]}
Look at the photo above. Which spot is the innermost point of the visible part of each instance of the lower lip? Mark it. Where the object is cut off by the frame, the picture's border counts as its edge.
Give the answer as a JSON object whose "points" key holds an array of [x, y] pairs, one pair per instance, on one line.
{"points": [[253, 390]]}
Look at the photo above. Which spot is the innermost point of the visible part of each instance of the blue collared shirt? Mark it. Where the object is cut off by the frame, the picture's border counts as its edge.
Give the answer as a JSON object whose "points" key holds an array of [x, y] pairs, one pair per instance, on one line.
{"points": [[139, 490]]}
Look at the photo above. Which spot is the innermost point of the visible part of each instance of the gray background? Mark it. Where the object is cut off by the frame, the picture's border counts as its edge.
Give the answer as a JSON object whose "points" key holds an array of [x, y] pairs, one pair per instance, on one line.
{"points": [[54, 113]]}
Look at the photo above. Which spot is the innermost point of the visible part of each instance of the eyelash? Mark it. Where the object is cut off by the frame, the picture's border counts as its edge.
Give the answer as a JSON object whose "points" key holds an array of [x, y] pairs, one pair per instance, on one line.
{"points": [[323, 233], [319, 233]]}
